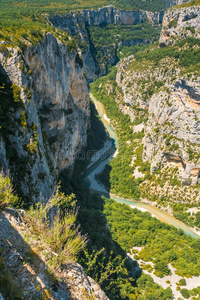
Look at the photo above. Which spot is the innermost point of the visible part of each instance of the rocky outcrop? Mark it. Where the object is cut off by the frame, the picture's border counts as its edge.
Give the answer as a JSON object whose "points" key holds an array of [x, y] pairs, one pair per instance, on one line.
{"points": [[104, 16], [180, 23], [27, 265], [78, 24], [171, 97], [50, 84], [81, 283], [60, 92]]}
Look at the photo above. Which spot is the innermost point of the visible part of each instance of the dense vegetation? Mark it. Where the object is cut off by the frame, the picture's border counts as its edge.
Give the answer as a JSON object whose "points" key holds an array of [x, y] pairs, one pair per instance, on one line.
{"points": [[185, 52], [155, 5], [106, 263], [118, 38], [189, 4], [17, 12], [112, 33], [184, 55], [162, 243], [24, 21], [121, 175], [180, 213]]}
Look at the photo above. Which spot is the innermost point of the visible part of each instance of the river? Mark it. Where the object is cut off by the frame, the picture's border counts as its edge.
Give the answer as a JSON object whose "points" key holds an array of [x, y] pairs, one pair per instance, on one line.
{"points": [[158, 213]]}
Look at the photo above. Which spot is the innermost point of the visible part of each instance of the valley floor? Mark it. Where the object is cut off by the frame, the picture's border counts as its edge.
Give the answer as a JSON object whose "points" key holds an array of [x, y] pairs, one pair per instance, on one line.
{"points": [[170, 280]]}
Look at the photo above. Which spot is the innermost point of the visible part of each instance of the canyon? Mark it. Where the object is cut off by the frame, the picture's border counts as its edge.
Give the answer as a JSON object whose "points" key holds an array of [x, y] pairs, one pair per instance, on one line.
{"points": [[46, 115]]}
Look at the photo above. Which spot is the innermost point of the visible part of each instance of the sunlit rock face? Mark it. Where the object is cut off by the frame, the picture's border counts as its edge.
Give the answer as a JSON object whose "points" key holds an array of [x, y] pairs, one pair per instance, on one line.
{"points": [[172, 130], [61, 96], [180, 23]]}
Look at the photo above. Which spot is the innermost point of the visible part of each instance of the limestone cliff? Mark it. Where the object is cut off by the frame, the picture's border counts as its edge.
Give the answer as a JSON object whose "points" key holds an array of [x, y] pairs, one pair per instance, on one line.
{"points": [[165, 84], [180, 23], [78, 24], [50, 121]]}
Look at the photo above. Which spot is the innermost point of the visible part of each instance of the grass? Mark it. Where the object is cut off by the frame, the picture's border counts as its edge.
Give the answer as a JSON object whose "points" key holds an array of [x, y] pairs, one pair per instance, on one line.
{"points": [[6, 192], [63, 237]]}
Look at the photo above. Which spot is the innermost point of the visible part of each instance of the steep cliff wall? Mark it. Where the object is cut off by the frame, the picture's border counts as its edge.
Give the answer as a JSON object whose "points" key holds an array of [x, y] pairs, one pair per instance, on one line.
{"points": [[166, 84], [78, 24], [180, 23], [104, 16], [48, 115]]}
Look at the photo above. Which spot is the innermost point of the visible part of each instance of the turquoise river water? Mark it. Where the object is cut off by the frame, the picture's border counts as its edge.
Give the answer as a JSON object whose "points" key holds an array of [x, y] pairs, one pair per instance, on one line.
{"points": [[161, 215]]}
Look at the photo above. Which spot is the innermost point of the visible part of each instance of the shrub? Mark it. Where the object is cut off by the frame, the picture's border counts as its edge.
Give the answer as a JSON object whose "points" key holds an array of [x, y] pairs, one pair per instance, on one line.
{"points": [[17, 95], [28, 92], [172, 23], [32, 147], [182, 281], [55, 224], [3, 49], [185, 293], [71, 45], [190, 28], [6, 192]]}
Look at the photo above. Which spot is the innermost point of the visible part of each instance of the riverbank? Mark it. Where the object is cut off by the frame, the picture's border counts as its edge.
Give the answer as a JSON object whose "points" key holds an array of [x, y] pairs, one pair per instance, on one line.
{"points": [[98, 167], [170, 212], [143, 210], [160, 214]]}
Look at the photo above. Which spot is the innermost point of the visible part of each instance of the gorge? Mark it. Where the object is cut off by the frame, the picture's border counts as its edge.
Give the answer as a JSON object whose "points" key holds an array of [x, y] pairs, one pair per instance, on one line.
{"points": [[149, 93]]}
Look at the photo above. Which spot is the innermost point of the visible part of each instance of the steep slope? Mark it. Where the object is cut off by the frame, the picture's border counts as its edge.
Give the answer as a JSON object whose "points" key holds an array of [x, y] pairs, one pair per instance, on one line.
{"points": [[45, 112], [179, 23], [47, 91], [158, 90], [35, 261], [97, 55], [172, 94]]}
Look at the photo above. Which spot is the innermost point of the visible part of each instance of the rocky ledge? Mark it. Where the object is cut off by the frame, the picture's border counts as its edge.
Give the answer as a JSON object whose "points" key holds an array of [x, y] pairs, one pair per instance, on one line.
{"points": [[179, 23]]}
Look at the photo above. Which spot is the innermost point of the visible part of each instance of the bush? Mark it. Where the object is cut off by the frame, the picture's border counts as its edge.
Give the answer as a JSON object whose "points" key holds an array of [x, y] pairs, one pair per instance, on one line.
{"points": [[191, 29], [172, 23], [6, 192], [182, 281], [55, 224], [185, 293]]}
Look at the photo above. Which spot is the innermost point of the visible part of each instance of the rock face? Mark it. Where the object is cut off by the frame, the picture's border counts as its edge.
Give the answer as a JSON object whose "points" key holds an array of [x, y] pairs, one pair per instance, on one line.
{"points": [[104, 16], [78, 25], [32, 278], [60, 92], [54, 113], [179, 23], [171, 96]]}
